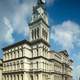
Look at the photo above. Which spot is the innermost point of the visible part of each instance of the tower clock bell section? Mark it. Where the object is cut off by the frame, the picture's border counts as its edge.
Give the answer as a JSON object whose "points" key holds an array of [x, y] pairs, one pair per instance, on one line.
{"points": [[39, 28]]}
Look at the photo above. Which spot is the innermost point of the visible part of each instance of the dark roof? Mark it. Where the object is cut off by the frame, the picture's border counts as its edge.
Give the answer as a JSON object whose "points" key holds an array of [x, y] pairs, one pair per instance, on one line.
{"points": [[64, 52], [71, 60], [16, 44]]}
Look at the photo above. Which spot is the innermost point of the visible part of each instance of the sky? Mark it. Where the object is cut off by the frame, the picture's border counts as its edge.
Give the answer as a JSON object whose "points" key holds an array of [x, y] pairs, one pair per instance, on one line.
{"points": [[64, 22]]}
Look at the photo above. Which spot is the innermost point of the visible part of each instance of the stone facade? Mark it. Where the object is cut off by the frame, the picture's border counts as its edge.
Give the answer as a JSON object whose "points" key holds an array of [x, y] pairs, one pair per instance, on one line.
{"points": [[33, 60], [1, 69]]}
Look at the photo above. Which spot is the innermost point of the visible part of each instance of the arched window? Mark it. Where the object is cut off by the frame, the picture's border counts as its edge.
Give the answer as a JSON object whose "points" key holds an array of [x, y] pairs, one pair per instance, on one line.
{"points": [[10, 66], [35, 33], [43, 32], [18, 65], [7, 77], [43, 50], [14, 65], [31, 77], [14, 55], [32, 34], [7, 56], [43, 65], [37, 50], [46, 35], [22, 66], [37, 76], [11, 55], [37, 65], [21, 52], [38, 32], [18, 53], [4, 67]]}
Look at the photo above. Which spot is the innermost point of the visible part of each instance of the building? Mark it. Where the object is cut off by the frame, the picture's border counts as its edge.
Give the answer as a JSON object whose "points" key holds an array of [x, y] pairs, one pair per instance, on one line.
{"points": [[1, 69], [33, 60]]}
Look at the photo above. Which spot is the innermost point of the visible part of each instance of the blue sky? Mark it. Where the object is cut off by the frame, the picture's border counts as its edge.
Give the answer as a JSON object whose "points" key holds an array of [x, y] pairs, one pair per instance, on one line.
{"points": [[64, 21]]}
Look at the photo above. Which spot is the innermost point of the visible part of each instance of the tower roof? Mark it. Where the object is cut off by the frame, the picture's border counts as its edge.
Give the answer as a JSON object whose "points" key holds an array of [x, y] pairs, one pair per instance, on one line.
{"points": [[41, 3]]}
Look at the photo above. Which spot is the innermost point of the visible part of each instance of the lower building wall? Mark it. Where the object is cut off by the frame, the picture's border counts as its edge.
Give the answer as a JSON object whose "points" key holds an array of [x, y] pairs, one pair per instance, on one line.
{"points": [[13, 77], [0, 74], [34, 76], [57, 77]]}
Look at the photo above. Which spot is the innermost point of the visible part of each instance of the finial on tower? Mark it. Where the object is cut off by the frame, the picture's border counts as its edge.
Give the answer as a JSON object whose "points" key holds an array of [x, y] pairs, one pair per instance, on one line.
{"points": [[41, 2]]}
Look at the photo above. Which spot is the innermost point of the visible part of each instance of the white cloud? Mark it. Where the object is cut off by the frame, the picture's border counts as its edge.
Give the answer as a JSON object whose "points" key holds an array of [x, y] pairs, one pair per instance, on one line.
{"points": [[66, 34], [76, 66], [76, 72], [6, 31], [21, 16], [17, 13], [16, 18]]}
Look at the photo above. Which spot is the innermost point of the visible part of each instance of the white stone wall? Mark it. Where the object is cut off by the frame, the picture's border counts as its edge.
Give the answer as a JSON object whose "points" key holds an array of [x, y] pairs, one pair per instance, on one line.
{"points": [[40, 50], [33, 64], [0, 72]]}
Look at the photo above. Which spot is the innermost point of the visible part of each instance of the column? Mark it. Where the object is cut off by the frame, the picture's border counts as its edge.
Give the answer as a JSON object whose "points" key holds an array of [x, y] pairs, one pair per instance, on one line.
{"points": [[40, 77], [25, 76], [9, 77], [9, 55], [19, 76], [3, 77], [4, 57], [16, 77], [16, 53], [12, 77], [20, 53]]}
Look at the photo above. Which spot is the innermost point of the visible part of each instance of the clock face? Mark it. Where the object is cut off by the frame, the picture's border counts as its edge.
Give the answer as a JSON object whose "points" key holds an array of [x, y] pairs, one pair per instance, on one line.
{"points": [[43, 1]]}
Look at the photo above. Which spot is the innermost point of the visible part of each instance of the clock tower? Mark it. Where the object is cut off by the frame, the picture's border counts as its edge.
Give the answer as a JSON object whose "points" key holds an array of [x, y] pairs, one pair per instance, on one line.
{"points": [[39, 29]]}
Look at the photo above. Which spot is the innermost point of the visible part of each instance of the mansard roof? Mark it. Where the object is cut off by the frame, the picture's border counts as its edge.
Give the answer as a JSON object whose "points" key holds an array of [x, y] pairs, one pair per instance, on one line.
{"points": [[16, 44]]}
